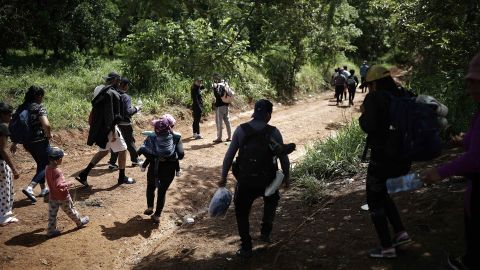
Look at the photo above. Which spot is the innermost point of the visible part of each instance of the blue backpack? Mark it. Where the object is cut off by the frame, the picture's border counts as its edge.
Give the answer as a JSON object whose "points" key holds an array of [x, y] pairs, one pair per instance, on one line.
{"points": [[414, 130], [19, 126]]}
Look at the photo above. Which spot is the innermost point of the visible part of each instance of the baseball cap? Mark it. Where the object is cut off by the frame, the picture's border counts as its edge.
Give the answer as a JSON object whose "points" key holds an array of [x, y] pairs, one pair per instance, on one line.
{"points": [[474, 68], [125, 80], [262, 108], [111, 75]]}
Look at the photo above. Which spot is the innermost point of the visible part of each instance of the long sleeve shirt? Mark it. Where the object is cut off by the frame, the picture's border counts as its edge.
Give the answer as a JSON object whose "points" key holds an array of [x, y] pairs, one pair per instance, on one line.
{"points": [[196, 93], [56, 183], [238, 139], [469, 162], [127, 109]]}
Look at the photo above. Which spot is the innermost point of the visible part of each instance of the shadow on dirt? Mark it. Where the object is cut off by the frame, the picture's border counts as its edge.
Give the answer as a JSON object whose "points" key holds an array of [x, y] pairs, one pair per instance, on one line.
{"points": [[133, 227], [33, 238]]}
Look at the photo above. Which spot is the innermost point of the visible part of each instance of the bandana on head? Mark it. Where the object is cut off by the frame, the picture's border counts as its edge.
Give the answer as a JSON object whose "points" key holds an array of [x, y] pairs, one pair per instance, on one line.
{"points": [[164, 124]]}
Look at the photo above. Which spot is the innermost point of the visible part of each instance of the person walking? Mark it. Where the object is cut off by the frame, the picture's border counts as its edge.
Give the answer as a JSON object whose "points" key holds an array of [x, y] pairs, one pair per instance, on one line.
{"points": [[104, 132], [39, 135], [8, 170], [59, 195], [340, 84], [254, 138], [467, 165], [162, 152], [197, 106], [221, 110], [363, 72], [352, 82], [374, 121], [125, 125]]}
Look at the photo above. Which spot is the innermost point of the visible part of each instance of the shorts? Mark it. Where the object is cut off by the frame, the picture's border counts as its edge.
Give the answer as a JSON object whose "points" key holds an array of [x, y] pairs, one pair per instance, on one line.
{"points": [[116, 146]]}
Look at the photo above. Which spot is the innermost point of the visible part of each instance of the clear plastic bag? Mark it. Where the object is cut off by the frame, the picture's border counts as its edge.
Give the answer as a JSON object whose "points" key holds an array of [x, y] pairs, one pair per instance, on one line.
{"points": [[220, 202], [273, 187]]}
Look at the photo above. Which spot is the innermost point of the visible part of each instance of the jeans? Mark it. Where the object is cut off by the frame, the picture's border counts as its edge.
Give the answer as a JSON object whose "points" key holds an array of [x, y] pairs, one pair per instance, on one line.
{"points": [[381, 206], [243, 200], [161, 179], [127, 133], [39, 152], [197, 115], [221, 115]]}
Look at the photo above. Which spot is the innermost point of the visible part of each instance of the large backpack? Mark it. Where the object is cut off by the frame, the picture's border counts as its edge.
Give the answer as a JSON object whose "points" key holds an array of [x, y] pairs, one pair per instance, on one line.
{"points": [[414, 130], [228, 93], [256, 163], [19, 127], [351, 82]]}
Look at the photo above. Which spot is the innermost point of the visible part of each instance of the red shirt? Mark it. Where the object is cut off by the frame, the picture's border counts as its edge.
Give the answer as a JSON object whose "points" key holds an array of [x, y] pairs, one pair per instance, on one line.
{"points": [[56, 183]]}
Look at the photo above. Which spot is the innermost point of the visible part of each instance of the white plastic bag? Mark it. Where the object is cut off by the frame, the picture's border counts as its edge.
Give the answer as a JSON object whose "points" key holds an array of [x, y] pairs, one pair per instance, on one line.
{"points": [[275, 183], [220, 202]]}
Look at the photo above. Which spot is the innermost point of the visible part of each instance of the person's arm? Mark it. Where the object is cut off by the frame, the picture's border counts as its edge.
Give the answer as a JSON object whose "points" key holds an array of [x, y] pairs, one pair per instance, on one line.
{"points": [[229, 156], [127, 101], [369, 118], [6, 156], [46, 126], [284, 161]]}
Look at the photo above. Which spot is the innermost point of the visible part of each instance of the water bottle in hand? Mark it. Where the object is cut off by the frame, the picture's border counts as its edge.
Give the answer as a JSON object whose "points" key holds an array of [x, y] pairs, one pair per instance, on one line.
{"points": [[404, 183]]}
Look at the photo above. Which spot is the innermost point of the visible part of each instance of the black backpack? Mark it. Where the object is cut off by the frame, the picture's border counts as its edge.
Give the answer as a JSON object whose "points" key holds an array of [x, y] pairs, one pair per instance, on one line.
{"points": [[256, 163], [351, 81]]}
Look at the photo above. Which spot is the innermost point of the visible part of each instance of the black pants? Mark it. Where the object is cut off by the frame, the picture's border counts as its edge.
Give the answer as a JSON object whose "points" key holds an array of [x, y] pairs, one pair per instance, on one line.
{"points": [[127, 133], [382, 208], [243, 200], [161, 179], [351, 94], [197, 115], [339, 89], [472, 226]]}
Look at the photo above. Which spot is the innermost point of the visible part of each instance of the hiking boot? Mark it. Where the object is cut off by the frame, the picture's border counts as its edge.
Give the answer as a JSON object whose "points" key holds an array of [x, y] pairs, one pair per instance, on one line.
{"points": [[148, 212], [266, 239], [456, 263], [82, 179], [139, 162], [383, 253], [244, 253], [113, 166], [28, 191], [126, 180], [53, 233], [43, 192], [156, 219], [83, 221], [402, 239]]}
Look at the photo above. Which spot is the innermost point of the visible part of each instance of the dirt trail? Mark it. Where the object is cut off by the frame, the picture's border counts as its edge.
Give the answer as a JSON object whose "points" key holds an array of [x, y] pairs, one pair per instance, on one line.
{"points": [[119, 236]]}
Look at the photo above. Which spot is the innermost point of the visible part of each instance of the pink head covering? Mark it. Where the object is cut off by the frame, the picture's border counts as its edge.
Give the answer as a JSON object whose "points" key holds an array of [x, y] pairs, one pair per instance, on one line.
{"points": [[170, 119], [164, 124], [474, 68]]}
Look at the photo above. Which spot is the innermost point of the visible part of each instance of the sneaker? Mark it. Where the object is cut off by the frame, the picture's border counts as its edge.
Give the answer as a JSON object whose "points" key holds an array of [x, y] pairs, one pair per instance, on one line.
{"points": [[82, 179], [402, 239], [244, 253], [28, 191], [198, 137], [9, 220], [217, 141], [156, 219], [383, 253], [53, 233], [126, 180], [139, 162], [178, 173], [148, 212], [112, 166], [43, 192], [456, 263], [266, 239]]}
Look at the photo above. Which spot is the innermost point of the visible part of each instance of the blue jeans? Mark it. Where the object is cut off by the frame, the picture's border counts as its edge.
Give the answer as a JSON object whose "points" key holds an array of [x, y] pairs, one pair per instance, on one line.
{"points": [[39, 152]]}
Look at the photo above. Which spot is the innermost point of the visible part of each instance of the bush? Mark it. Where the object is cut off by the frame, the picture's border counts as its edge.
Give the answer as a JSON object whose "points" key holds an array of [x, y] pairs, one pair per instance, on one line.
{"points": [[338, 155], [312, 189]]}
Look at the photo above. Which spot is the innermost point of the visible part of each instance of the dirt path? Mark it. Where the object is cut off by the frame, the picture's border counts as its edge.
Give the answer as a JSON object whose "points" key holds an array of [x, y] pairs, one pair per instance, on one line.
{"points": [[121, 237]]}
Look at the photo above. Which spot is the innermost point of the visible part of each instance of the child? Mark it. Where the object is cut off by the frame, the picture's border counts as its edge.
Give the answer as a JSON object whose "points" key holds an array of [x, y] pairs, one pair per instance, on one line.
{"points": [[8, 170], [59, 195], [162, 152]]}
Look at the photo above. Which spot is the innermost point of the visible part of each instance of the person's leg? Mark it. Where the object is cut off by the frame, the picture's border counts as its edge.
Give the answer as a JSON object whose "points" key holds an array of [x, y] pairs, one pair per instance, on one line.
{"points": [[218, 122], [52, 215], [226, 119], [243, 201], [72, 213], [269, 210], [83, 175], [39, 152], [113, 158], [127, 133], [196, 122], [6, 191], [150, 193], [166, 173]]}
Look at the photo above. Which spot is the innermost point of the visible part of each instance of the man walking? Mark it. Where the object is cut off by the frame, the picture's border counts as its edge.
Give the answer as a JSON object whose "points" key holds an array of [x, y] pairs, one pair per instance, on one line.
{"points": [[197, 106], [363, 73], [125, 125], [254, 170], [104, 131], [221, 109]]}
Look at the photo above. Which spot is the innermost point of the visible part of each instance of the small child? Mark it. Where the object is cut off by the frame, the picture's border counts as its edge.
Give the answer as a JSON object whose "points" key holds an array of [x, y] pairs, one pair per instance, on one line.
{"points": [[59, 195]]}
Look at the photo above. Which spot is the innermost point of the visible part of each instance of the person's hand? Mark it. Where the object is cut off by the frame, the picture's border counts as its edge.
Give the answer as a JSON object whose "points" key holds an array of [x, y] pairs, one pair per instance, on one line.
{"points": [[430, 176], [222, 182], [13, 148]]}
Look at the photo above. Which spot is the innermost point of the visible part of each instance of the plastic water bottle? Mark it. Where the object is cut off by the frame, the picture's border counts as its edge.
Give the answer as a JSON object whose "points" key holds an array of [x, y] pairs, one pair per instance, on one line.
{"points": [[403, 183], [139, 104]]}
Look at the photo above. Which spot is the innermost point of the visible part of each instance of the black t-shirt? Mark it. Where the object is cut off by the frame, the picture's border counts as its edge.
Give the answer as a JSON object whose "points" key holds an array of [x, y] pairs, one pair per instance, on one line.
{"points": [[36, 110], [4, 132]]}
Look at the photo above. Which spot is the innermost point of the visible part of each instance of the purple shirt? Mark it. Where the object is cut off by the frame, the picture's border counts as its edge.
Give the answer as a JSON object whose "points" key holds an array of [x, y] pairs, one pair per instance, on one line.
{"points": [[468, 162]]}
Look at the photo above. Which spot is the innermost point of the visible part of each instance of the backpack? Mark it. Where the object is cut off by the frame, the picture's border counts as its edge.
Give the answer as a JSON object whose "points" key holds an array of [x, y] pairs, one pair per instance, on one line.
{"points": [[340, 79], [19, 126], [351, 82], [414, 130], [256, 163], [228, 93]]}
